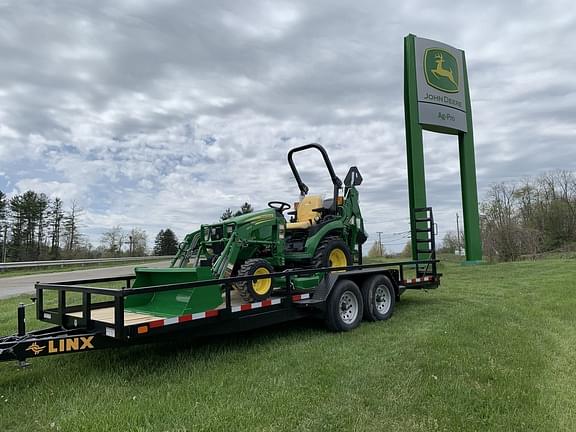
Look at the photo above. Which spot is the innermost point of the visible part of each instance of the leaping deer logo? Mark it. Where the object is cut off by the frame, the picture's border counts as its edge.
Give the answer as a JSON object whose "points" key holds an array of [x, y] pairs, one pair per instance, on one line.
{"points": [[440, 71]]}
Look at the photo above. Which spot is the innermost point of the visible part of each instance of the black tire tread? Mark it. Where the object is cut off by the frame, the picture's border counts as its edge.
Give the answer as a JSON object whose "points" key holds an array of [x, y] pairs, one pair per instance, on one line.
{"points": [[332, 317], [243, 287], [367, 294], [318, 259]]}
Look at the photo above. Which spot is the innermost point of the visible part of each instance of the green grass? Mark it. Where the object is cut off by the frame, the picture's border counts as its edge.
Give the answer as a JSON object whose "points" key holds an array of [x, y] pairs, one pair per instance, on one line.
{"points": [[67, 268], [493, 349]]}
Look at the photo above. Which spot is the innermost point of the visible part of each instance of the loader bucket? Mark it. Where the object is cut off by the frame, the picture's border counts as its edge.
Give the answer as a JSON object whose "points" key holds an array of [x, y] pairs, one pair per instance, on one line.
{"points": [[175, 302]]}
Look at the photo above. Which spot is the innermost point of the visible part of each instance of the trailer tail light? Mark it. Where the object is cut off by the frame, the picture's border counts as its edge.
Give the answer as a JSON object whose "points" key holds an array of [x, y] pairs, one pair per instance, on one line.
{"points": [[142, 329]]}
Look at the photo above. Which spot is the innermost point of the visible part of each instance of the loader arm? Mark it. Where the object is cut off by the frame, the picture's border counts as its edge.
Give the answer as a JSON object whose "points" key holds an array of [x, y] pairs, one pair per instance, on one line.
{"points": [[224, 265], [186, 250]]}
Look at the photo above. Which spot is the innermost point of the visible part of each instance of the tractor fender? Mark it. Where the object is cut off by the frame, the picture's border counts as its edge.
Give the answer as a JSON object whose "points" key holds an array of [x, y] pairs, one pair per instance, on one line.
{"points": [[332, 228]]}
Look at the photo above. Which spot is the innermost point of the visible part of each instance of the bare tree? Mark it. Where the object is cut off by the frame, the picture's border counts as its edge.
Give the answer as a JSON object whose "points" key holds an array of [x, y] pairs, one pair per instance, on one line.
{"points": [[112, 241], [71, 227], [376, 250], [450, 242], [137, 242]]}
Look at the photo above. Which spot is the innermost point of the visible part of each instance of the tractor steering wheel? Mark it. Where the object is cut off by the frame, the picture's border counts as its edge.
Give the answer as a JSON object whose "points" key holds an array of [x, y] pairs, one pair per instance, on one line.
{"points": [[281, 206]]}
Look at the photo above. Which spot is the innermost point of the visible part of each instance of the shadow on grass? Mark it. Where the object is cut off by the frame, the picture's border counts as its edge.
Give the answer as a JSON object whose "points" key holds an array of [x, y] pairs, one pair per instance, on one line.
{"points": [[156, 357], [148, 357]]}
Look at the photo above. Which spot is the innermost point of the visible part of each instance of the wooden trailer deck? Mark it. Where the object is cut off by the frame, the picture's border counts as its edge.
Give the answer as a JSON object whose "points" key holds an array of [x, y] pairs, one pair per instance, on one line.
{"points": [[106, 315]]}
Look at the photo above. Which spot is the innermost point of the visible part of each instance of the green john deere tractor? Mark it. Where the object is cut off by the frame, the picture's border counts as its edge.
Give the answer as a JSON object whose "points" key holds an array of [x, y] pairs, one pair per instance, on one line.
{"points": [[319, 233]]}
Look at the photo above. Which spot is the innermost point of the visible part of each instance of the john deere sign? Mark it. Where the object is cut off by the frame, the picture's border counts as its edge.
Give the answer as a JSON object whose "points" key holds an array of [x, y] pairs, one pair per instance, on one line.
{"points": [[441, 70], [439, 81], [436, 98]]}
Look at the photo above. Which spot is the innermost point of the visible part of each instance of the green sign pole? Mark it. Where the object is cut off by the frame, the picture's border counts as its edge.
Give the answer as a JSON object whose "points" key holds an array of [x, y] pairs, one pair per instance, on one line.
{"points": [[414, 142], [472, 239], [437, 98]]}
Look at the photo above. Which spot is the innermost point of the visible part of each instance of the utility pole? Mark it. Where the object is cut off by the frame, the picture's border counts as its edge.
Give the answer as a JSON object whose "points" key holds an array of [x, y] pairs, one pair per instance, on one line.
{"points": [[380, 248], [458, 233]]}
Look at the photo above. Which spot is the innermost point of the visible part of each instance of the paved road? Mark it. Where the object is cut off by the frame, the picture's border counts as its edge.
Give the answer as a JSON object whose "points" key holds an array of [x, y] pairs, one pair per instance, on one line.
{"points": [[11, 286]]}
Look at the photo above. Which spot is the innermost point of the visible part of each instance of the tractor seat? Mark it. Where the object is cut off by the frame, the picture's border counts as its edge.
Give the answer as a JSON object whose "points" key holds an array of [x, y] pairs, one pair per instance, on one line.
{"points": [[305, 214]]}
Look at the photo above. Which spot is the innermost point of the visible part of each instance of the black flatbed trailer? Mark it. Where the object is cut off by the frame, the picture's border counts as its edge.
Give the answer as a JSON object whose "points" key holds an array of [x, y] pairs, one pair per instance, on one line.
{"points": [[343, 297], [103, 324]]}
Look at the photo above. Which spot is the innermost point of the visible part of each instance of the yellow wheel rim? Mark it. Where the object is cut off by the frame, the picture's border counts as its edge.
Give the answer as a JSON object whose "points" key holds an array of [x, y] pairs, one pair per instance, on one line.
{"points": [[261, 286], [337, 258]]}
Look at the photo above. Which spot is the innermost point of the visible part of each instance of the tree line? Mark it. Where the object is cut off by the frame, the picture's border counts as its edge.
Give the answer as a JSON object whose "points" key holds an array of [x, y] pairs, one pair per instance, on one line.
{"points": [[530, 217], [35, 227], [526, 218]]}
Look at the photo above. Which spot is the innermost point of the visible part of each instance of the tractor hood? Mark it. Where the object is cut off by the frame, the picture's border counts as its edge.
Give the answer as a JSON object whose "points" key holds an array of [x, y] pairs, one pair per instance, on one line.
{"points": [[252, 218]]}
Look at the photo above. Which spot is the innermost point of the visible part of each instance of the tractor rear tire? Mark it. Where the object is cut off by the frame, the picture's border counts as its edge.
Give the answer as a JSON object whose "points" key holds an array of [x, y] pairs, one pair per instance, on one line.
{"points": [[344, 308], [332, 252], [379, 298], [254, 290]]}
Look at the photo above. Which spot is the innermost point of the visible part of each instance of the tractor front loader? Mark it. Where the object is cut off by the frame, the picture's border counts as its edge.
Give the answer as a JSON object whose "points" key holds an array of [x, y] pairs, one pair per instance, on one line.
{"points": [[319, 233]]}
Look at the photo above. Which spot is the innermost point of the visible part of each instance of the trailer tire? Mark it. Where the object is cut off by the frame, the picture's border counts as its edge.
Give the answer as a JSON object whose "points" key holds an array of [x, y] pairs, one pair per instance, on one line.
{"points": [[252, 291], [379, 298], [344, 307]]}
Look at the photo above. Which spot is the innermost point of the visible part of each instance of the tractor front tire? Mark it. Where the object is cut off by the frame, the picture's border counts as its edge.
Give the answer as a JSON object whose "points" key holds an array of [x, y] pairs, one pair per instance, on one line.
{"points": [[332, 252], [254, 290]]}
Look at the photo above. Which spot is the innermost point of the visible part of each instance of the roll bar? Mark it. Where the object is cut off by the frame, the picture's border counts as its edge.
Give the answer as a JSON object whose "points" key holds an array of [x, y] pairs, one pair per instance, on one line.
{"points": [[301, 185]]}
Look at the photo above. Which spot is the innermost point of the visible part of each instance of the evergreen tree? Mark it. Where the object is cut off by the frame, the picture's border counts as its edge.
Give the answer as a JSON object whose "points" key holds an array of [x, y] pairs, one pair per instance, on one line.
{"points": [[170, 244], [158, 243], [226, 215], [244, 208], [3, 207], [55, 218], [28, 224], [165, 243], [3, 223], [17, 227]]}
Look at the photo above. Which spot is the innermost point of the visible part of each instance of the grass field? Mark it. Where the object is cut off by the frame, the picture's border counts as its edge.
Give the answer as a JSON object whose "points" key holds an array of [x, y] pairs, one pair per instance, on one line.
{"points": [[494, 349]]}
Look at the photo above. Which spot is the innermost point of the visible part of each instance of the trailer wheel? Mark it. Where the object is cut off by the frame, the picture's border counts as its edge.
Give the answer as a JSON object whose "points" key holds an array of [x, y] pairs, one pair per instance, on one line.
{"points": [[345, 307], [258, 289], [379, 298]]}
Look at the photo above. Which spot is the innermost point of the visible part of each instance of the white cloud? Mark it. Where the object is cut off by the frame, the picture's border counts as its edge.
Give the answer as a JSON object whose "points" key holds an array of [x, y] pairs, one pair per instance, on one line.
{"points": [[165, 113]]}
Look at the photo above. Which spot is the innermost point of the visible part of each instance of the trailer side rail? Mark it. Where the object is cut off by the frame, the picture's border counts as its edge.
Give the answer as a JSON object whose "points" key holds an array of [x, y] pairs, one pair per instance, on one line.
{"points": [[60, 314], [78, 327]]}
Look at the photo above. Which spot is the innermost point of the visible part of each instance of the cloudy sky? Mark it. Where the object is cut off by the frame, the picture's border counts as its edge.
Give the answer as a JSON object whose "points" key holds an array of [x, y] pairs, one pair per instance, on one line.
{"points": [[163, 113]]}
